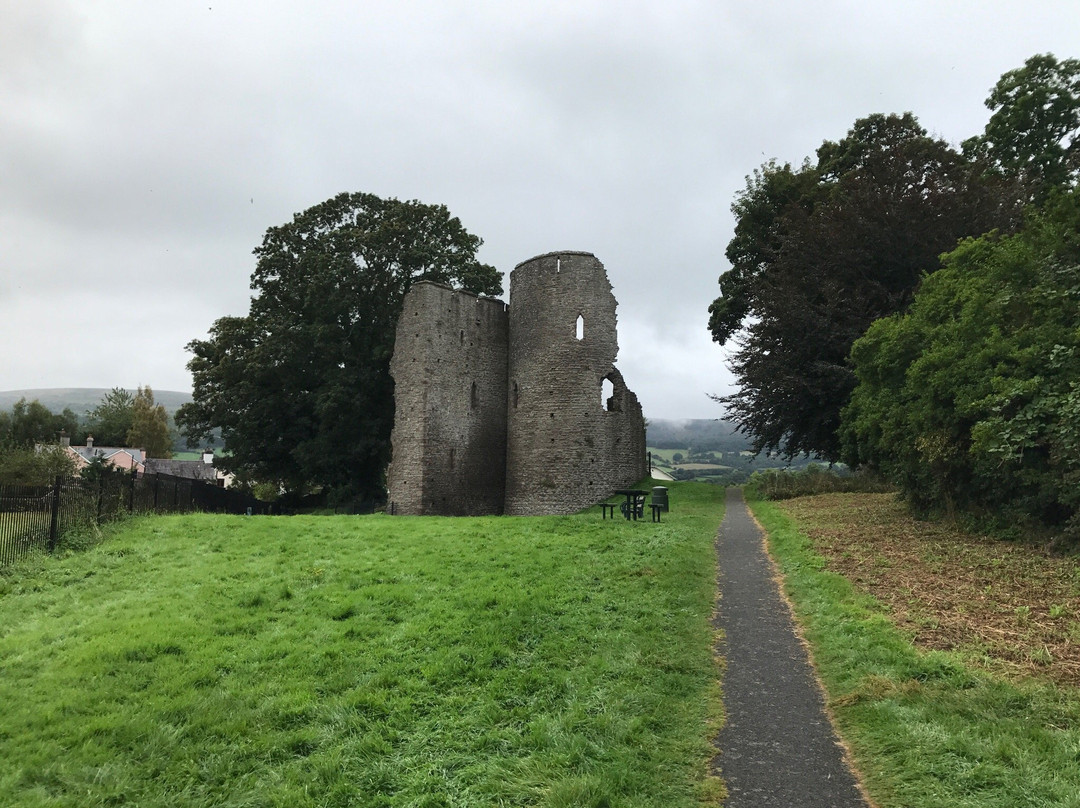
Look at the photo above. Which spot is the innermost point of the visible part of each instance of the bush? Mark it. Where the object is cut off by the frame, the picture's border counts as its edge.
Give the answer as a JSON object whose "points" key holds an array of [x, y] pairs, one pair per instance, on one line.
{"points": [[814, 479], [20, 466], [971, 400]]}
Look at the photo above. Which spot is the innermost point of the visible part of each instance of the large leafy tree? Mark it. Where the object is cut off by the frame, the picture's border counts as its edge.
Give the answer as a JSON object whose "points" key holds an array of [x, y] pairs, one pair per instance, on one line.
{"points": [[110, 421], [1034, 131], [822, 251], [149, 425], [971, 401], [300, 387]]}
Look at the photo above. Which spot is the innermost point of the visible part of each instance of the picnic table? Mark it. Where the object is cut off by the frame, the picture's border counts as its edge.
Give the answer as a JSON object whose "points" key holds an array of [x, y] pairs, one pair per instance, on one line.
{"points": [[635, 502]]}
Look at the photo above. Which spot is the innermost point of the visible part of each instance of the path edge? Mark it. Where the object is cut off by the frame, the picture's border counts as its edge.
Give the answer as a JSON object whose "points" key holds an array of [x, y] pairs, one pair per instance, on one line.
{"points": [[799, 629]]}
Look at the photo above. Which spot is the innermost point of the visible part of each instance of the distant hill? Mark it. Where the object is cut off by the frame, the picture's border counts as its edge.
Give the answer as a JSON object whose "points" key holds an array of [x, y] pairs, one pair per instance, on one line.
{"points": [[82, 399], [701, 435]]}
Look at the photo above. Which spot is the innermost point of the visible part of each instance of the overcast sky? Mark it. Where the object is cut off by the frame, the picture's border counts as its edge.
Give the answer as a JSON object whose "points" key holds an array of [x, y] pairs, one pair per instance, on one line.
{"points": [[145, 147]]}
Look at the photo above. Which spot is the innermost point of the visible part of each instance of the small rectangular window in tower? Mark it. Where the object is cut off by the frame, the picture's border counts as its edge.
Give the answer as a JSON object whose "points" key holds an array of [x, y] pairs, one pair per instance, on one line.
{"points": [[607, 395], [580, 327]]}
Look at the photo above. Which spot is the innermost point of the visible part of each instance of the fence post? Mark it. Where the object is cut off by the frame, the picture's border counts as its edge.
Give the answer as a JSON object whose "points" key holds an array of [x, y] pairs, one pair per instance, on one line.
{"points": [[100, 495], [54, 521], [131, 491]]}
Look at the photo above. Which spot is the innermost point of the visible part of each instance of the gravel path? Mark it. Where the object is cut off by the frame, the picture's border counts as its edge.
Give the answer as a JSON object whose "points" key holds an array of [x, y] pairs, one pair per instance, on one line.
{"points": [[777, 747]]}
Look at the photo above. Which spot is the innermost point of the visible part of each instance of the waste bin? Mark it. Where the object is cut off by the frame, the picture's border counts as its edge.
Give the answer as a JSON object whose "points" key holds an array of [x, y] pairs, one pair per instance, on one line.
{"points": [[659, 497]]}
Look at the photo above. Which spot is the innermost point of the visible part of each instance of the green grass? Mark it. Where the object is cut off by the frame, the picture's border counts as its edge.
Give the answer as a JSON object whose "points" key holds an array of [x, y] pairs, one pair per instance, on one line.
{"points": [[371, 661], [925, 730]]}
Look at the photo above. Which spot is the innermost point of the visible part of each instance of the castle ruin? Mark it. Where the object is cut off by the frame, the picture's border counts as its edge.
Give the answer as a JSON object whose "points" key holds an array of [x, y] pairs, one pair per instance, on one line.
{"points": [[514, 409]]}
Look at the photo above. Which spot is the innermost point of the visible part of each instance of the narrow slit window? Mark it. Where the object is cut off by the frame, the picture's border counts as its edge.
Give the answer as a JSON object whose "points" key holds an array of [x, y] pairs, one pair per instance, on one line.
{"points": [[580, 327], [473, 396]]}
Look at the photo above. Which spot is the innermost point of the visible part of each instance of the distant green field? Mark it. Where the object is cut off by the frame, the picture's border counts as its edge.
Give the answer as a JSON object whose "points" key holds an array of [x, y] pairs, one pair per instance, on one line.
{"points": [[205, 660]]}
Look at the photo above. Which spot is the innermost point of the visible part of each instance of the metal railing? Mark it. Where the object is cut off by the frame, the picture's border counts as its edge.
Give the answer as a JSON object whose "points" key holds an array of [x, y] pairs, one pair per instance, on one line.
{"points": [[36, 518]]}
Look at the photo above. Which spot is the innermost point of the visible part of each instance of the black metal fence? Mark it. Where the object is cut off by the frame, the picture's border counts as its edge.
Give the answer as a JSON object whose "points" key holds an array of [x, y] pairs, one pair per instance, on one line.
{"points": [[37, 517]]}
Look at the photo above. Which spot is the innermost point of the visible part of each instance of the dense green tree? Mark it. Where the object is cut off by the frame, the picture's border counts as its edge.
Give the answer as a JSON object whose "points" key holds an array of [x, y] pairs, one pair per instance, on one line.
{"points": [[821, 252], [21, 465], [110, 421], [1034, 131], [149, 425], [31, 423], [971, 401], [300, 387]]}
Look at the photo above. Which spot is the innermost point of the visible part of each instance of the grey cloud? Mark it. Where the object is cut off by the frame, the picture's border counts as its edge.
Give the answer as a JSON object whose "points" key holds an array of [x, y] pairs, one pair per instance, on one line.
{"points": [[146, 148]]}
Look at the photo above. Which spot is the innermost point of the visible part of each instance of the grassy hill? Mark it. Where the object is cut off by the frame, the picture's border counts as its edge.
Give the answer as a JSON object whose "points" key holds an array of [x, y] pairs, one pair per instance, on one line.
{"points": [[204, 660]]}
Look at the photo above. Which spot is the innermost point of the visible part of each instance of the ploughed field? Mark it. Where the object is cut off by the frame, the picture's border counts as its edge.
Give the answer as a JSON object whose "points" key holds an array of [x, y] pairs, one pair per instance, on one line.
{"points": [[204, 660]]}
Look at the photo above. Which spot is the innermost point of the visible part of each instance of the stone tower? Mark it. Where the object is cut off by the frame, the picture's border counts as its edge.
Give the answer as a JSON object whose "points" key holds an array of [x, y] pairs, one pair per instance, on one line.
{"points": [[569, 445], [449, 438], [517, 409]]}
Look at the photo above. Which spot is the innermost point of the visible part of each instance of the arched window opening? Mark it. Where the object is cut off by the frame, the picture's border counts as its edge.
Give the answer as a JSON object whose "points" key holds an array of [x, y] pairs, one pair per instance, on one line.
{"points": [[607, 395], [580, 327]]}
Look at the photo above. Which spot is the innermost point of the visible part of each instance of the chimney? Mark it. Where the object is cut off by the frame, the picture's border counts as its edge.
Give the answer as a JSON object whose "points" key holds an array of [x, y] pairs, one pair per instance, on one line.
{"points": [[65, 439], [208, 457], [89, 441]]}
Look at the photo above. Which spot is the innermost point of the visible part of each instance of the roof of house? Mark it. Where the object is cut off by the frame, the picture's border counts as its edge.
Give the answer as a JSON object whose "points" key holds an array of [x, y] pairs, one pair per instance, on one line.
{"points": [[188, 469], [107, 452]]}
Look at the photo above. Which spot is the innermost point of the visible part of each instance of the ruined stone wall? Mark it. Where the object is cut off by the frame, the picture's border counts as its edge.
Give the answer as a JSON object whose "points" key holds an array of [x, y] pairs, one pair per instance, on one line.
{"points": [[504, 409], [449, 369], [568, 446]]}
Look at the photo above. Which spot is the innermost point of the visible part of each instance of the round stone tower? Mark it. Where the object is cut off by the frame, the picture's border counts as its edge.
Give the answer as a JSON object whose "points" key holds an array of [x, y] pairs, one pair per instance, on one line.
{"points": [[574, 431]]}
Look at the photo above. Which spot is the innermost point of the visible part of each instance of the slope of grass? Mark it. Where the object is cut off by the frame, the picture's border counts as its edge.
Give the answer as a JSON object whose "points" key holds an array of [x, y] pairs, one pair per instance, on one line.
{"points": [[333, 661], [926, 729]]}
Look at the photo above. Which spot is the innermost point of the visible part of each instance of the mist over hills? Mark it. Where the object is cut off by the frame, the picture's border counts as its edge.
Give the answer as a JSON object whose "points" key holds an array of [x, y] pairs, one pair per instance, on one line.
{"points": [[81, 400], [705, 435]]}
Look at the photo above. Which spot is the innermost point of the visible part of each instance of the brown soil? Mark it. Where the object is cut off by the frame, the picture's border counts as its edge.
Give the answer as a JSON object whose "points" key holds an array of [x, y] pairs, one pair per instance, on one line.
{"points": [[1006, 606]]}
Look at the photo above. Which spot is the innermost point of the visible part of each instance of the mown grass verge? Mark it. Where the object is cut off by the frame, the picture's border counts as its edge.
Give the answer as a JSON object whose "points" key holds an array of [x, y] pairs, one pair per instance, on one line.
{"points": [[371, 661], [926, 730]]}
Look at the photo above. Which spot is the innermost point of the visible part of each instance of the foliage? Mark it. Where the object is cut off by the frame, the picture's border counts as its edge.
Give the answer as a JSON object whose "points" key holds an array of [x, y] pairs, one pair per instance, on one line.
{"points": [[100, 468], [300, 386], [31, 423], [812, 479], [110, 421], [377, 661], [149, 425], [1034, 132], [971, 401], [29, 466], [925, 730], [821, 252]]}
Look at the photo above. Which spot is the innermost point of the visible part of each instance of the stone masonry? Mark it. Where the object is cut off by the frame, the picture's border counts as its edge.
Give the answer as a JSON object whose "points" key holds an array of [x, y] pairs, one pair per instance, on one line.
{"points": [[513, 409]]}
